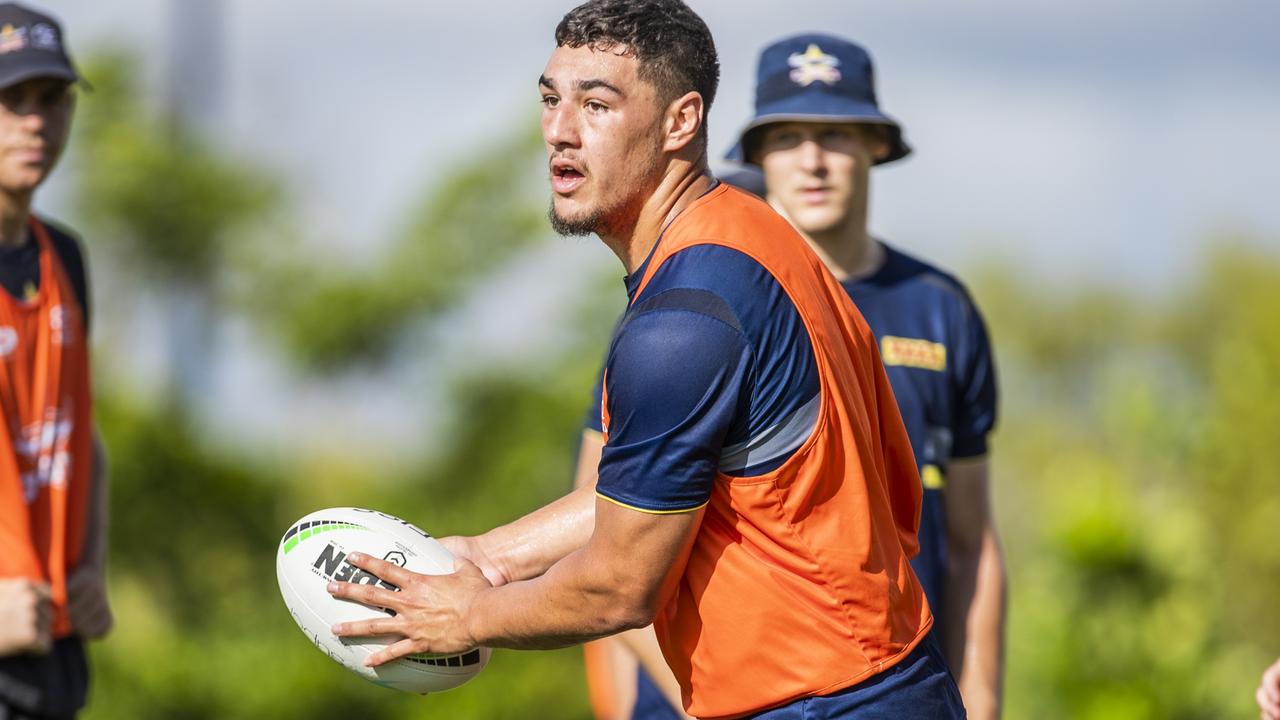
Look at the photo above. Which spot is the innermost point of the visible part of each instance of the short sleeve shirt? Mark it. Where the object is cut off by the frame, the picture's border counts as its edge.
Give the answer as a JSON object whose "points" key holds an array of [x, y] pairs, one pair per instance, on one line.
{"points": [[935, 349]]}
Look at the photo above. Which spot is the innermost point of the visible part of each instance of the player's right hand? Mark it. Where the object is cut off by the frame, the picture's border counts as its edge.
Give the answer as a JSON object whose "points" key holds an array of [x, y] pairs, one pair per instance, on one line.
{"points": [[26, 617]]}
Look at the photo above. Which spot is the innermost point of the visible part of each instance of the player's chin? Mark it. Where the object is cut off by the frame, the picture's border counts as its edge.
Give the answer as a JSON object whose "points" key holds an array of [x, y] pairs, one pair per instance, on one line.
{"points": [[572, 218], [818, 219], [22, 178]]}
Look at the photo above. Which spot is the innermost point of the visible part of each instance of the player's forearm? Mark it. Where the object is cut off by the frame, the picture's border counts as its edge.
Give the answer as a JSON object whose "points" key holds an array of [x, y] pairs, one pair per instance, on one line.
{"points": [[982, 676], [527, 547], [626, 570], [579, 599]]}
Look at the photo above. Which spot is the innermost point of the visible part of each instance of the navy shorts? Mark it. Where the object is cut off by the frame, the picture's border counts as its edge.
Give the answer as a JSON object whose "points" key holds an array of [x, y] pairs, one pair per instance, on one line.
{"points": [[44, 687], [920, 687], [651, 704]]}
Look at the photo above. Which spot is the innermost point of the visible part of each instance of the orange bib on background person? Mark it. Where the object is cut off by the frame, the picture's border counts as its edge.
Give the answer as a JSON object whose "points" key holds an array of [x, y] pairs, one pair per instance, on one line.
{"points": [[46, 441]]}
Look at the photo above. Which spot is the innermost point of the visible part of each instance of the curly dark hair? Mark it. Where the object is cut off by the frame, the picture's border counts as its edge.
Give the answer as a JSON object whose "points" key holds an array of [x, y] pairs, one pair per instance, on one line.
{"points": [[668, 39]]}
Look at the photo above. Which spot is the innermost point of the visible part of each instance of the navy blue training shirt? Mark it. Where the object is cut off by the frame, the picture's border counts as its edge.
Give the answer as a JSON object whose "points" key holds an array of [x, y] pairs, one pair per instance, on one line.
{"points": [[710, 370], [935, 349]]}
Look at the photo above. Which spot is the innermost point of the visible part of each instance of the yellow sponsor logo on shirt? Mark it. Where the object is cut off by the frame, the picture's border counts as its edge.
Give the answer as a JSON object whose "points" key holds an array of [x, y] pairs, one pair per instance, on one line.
{"points": [[931, 477], [912, 352]]}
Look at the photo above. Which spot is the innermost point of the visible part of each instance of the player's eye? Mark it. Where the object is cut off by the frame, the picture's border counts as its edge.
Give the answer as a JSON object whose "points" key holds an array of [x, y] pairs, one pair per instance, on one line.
{"points": [[781, 139], [550, 101], [837, 136], [596, 106], [52, 97]]}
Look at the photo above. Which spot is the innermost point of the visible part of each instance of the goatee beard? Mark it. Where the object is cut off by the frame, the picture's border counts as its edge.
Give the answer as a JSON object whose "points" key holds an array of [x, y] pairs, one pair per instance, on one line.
{"points": [[579, 227]]}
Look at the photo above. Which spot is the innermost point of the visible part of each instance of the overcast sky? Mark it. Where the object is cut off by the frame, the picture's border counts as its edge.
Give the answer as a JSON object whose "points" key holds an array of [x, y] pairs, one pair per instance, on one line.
{"points": [[1085, 136], [1089, 140]]}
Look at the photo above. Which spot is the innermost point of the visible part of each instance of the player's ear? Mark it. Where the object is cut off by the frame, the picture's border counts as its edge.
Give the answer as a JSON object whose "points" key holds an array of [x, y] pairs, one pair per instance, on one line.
{"points": [[682, 121]]}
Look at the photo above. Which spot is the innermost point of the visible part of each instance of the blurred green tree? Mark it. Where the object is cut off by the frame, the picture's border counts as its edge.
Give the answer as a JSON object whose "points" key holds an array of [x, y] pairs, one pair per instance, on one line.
{"points": [[167, 206], [201, 630], [1135, 486], [472, 222]]}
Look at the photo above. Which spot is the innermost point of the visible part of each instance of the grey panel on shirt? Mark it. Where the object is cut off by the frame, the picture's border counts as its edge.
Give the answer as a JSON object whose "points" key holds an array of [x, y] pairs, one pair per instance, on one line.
{"points": [[775, 441]]}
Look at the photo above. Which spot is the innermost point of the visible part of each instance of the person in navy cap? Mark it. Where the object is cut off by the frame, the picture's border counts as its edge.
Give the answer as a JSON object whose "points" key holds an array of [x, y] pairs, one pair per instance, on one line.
{"points": [[809, 148], [52, 489]]}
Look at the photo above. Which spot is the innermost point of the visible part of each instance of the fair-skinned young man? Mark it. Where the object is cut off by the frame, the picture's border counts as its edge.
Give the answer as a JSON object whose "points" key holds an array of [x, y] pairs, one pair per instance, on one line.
{"points": [[699, 520], [817, 134], [52, 486]]}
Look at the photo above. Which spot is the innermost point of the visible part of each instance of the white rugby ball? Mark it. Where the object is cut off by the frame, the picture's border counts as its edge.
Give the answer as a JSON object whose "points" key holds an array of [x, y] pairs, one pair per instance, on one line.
{"points": [[313, 552]]}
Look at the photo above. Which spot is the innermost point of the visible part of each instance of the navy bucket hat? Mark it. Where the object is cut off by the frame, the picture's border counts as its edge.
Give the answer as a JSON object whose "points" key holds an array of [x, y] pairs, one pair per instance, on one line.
{"points": [[817, 78]]}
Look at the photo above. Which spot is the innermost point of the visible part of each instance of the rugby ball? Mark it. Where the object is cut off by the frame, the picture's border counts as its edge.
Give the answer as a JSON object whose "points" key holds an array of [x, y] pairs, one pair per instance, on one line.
{"points": [[313, 552]]}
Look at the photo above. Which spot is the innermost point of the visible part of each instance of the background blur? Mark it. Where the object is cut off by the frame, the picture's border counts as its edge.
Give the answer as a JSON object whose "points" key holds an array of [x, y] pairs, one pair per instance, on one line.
{"points": [[322, 276]]}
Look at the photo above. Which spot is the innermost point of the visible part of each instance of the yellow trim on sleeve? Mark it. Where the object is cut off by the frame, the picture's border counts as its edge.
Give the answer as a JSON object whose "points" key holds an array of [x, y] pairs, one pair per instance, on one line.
{"points": [[648, 511]]}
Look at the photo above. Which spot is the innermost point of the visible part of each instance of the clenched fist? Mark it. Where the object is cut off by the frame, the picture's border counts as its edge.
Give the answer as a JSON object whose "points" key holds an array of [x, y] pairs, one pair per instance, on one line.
{"points": [[26, 617]]}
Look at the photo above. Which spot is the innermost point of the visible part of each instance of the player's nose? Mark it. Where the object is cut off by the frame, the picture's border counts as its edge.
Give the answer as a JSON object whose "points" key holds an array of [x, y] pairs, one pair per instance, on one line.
{"points": [[811, 155], [560, 127]]}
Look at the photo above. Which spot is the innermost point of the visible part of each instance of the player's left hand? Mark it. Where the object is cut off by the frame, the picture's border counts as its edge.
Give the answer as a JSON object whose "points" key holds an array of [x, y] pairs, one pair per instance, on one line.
{"points": [[87, 603], [431, 611]]}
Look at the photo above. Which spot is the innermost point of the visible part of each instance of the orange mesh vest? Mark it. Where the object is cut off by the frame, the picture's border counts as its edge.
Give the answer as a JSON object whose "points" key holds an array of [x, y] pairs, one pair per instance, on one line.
{"points": [[799, 583], [46, 443]]}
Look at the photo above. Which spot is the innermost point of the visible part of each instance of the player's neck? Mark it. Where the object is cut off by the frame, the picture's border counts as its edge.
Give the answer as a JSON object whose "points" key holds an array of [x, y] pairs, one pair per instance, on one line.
{"points": [[849, 254], [14, 212], [847, 249], [683, 183]]}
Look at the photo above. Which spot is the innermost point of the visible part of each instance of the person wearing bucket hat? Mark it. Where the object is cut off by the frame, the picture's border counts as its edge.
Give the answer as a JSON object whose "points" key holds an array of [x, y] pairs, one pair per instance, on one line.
{"points": [[52, 489], [816, 132]]}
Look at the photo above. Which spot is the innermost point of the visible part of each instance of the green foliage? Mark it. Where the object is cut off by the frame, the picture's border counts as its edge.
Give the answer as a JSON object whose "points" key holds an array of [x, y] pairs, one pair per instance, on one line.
{"points": [[202, 632], [1135, 491], [476, 220], [167, 200]]}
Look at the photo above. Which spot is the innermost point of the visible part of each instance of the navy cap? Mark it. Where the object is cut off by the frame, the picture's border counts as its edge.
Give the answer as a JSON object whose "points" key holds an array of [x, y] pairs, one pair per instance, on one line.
{"points": [[31, 47], [817, 78]]}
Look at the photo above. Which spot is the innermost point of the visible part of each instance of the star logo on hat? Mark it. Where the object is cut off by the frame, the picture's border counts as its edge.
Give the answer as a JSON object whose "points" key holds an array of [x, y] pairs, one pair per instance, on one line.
{"points": [[812, 66], [12, 39]]}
